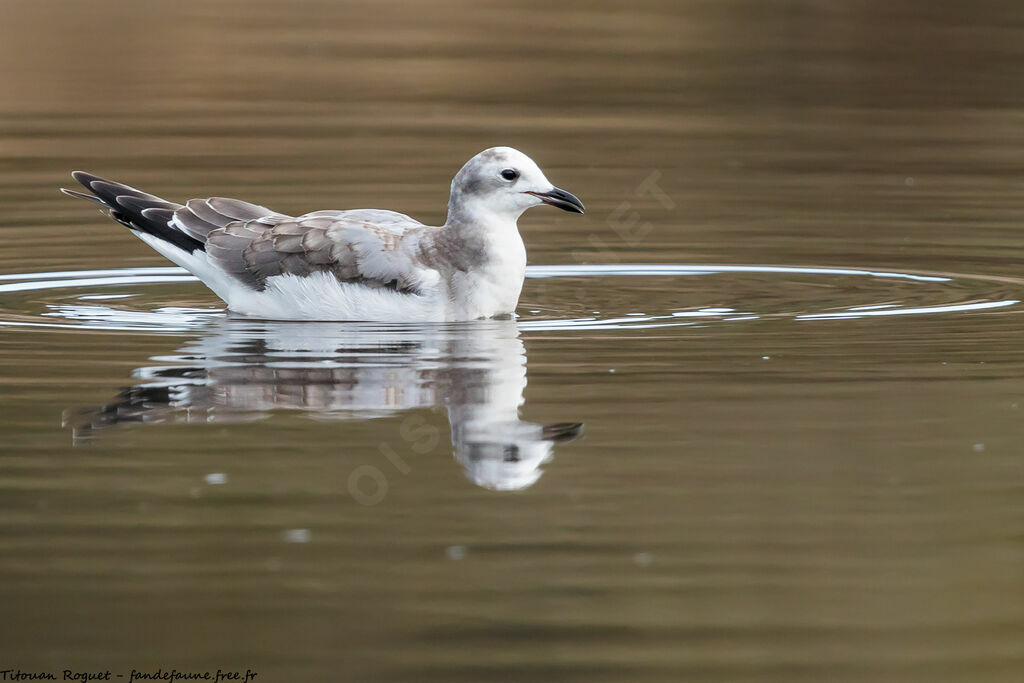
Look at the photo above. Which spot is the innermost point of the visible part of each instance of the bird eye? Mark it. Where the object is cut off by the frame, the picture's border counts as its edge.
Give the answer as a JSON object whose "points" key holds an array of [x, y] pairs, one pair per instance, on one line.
{"points": [[510, 174]]}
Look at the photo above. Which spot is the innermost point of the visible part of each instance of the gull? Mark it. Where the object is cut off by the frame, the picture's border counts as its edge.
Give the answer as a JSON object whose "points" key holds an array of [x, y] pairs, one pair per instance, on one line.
{"points": [[362, 264]]}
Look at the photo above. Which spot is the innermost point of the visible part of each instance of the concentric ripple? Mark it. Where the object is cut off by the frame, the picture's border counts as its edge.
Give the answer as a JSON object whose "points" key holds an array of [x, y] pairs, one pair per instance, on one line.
{"points": [[556, 297]]}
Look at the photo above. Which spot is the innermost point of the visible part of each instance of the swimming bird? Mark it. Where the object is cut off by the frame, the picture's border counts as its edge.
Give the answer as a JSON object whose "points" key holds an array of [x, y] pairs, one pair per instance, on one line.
{"points": [[362, 264]]}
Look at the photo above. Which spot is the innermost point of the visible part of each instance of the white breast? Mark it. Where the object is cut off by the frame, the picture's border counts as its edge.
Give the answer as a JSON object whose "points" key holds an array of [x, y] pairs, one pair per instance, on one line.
{"points": [[493, 287], [319, 296]]}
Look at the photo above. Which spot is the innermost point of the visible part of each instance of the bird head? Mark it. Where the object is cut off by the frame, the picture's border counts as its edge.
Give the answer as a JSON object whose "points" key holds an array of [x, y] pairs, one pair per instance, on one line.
{"points": [[503, 182]]}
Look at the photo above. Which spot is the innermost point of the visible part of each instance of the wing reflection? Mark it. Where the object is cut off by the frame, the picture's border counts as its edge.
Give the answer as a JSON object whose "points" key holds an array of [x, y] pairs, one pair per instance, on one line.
{"points": [[242, 371]]}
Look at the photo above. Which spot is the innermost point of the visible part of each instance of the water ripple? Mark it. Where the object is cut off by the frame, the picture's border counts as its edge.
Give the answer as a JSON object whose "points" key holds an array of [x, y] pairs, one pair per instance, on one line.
{"points": [[849, 293]]}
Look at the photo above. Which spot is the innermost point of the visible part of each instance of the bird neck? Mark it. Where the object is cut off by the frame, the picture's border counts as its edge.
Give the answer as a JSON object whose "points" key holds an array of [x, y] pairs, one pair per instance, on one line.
{"points": [[466, 210], [472, 220], [483, 240]]}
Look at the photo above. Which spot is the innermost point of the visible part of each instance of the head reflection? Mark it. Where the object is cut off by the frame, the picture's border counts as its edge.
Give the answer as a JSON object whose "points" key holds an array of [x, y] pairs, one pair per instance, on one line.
{"points": [[242, 371]]}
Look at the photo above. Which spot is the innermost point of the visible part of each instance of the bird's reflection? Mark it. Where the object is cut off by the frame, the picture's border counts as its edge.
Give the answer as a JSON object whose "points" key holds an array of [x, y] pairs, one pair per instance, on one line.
{"points": [[243, 370]]}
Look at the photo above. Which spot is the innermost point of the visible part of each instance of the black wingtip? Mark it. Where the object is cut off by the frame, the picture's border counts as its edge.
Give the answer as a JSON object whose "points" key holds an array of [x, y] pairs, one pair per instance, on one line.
{"points": [[158, 213], [84, 178], [81, 195], [140, 204]]}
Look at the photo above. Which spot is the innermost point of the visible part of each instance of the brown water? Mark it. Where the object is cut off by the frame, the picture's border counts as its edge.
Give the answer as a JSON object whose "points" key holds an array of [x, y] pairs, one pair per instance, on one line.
{"points": [[784, 474]]}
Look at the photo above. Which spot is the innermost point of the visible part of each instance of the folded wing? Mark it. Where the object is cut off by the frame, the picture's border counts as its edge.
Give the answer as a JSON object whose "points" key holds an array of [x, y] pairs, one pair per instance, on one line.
{"points": [[251, 243], [370, 248]]}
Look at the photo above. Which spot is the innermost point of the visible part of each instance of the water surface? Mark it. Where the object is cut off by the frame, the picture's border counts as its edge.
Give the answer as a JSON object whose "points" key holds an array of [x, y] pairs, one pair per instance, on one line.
{"points": [[789, 452]]}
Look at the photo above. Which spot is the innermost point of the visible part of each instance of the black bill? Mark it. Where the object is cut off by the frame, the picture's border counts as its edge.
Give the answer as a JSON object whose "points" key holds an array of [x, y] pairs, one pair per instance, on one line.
{"points": [[565, 201]]}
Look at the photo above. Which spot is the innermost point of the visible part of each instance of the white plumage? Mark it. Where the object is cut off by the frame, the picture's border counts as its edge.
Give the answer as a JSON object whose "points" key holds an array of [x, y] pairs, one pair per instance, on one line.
{"points": [[365, 264]]}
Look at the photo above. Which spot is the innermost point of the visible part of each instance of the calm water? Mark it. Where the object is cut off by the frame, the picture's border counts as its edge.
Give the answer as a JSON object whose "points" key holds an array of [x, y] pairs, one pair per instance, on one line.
{"points": [[793, 452]]}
